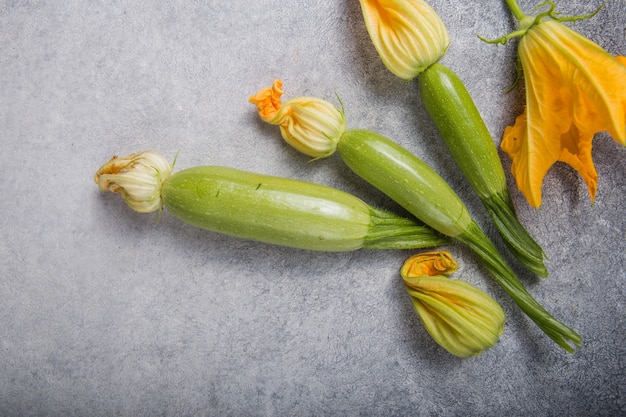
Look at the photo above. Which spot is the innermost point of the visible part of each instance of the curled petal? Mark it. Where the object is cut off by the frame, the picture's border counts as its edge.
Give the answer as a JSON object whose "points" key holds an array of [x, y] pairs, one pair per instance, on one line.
{"points": [[429, 264], [268, 100], [138, 177]]}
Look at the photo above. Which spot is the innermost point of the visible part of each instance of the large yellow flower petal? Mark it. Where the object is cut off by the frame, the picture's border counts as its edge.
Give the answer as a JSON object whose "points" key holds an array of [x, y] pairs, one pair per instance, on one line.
{"points": [[574, 89]]}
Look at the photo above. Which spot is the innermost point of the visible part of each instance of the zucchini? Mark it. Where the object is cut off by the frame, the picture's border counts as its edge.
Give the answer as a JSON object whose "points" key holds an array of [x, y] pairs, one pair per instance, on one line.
{"points": [[463, 130]]}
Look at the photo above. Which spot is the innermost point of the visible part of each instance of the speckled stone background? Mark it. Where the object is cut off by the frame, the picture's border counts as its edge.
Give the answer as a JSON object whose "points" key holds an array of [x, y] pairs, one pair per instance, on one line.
{"points": [[107, 312]]}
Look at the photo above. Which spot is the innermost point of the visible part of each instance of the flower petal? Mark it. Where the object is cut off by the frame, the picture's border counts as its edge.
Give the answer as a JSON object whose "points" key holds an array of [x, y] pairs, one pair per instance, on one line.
{"points": [[429, 264], [461, 318], [311, 125], [574, 89], [268, 100], [408, 34], [138, 177], [576, 152]]}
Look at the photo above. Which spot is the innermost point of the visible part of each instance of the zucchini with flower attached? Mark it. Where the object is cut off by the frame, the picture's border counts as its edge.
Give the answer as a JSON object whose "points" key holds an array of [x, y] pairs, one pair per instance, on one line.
{"points": [[263, 208], [411, 45], [317, 128]]}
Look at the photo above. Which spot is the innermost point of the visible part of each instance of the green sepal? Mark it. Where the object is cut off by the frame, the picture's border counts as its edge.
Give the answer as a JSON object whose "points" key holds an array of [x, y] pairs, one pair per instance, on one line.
{"points": [[390, 231], [515, 236]]}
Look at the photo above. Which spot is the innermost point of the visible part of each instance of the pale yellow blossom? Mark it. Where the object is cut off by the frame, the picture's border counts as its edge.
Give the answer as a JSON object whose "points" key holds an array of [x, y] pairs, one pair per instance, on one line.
{"points": [[311, 125], [138, 177]]}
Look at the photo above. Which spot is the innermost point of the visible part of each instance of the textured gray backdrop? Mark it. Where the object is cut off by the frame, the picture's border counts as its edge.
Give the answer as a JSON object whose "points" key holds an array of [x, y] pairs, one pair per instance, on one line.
{"points": [[104, 311]]}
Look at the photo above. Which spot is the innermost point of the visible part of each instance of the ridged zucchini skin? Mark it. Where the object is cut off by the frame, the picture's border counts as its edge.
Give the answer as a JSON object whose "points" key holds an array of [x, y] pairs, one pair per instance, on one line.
{"points": [[268, 209]]}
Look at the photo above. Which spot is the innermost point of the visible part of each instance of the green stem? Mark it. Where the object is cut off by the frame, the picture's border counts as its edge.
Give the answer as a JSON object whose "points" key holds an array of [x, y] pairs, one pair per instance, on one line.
{"points": [[515, 9], [502, 273], [517, 239]]}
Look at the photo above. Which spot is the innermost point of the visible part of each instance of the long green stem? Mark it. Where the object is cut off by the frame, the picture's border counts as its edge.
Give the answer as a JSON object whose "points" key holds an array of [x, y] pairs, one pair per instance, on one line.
{"points": [[515, 9], [502, 273]]}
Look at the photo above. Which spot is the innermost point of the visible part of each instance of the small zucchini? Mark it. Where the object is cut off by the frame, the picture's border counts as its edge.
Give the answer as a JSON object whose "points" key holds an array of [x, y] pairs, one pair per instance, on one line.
{"points": [[408, 180], [463, 130]]}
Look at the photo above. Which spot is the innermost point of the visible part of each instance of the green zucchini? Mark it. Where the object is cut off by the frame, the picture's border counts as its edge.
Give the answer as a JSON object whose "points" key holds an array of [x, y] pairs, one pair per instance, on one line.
{"points": [[286, 212], [463, 130]]}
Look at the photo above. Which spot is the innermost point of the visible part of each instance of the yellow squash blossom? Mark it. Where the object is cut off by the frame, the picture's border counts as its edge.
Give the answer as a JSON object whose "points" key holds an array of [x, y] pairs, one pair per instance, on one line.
{"points": [[460, 318], [311, 125], [429, 264], [138, 177], [574, 89], [408, 34]]}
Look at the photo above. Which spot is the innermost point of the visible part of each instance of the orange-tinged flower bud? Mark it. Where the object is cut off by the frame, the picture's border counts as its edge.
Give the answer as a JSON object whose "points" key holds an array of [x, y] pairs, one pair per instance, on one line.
{"points": [[311, 125], [461, 318], [138, 177], [408, 34], [429, 264]]}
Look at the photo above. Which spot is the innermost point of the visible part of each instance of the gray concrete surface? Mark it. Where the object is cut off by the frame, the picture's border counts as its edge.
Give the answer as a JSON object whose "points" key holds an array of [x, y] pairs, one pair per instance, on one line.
{"points": [[105, 312]]}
